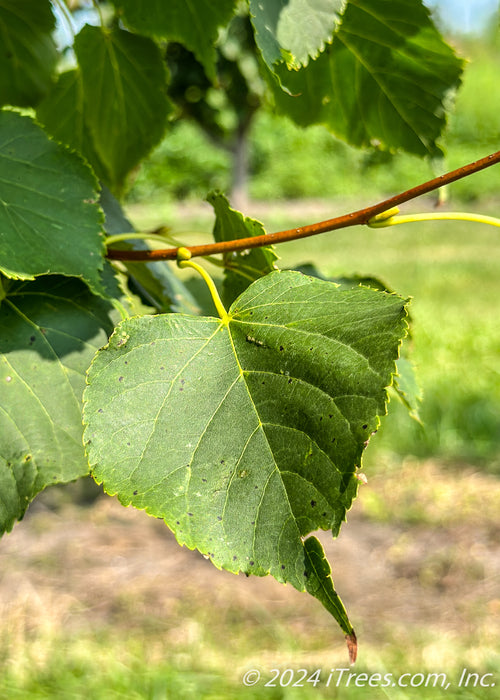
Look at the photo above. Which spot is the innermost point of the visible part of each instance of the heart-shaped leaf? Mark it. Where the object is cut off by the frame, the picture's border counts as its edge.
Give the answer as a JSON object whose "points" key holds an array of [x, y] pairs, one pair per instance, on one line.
{"points": [[245, 434], [125, 105]]}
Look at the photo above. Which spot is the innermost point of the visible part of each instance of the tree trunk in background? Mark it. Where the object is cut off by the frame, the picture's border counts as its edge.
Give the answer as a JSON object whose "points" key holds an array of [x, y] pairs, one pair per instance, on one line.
{"points": [[239, 190]]}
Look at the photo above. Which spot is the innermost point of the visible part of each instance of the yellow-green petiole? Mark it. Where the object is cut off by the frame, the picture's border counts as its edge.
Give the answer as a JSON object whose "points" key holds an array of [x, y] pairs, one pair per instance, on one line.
{"points": [[389, 218], [184, 260]]}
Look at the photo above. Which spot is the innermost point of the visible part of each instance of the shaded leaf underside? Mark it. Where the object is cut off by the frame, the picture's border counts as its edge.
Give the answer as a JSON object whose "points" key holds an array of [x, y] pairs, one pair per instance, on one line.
{"points": [[293, 30], [49, 331], [50, 222], [193, 24], [384, 79], [27, 51]]}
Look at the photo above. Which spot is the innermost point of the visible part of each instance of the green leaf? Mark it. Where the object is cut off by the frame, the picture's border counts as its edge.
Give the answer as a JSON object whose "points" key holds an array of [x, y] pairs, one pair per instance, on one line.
{"points": [[384, 79], [241, 267], [294, 30], [63, 115], [50, 222], [27, 51], [124, 84], [195, 25], [245, 437], [49, 332]]}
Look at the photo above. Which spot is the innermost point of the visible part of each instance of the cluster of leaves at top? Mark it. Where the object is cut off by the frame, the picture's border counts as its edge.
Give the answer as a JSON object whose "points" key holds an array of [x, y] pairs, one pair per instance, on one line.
{"points": [[244, 433]]}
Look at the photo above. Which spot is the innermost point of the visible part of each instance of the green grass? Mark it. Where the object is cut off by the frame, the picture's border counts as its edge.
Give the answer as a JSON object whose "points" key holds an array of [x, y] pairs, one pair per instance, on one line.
{"points": [[106, 666]]}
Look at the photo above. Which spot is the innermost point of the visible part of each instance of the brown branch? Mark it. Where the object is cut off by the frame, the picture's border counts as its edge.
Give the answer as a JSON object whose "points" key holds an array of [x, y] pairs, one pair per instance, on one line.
{"points": [[359, 217]]}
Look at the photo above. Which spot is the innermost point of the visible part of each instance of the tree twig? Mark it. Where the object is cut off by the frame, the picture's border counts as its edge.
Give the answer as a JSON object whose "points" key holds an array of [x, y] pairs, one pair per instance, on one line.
{"points": [[356, 218]]}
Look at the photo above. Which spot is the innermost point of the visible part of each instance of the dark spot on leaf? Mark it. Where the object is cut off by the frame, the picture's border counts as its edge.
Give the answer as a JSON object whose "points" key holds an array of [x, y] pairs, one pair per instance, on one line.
{"points": [[252, 563], [253, 522], [190, 515], [321, 418], [181, 388], [282, 566], [135, 493], [323, 515], [281, 348], [330, 415], [365, 427], [222, 461], [246, 574], [100, 410], [162, 367], [289, 381], [120, 379], [183, 381], [128, 444], [235, 557], [177, 522], [333, 439], [204, 481], [313, 503], [256, 487], [306, 574], [153, 342], [126, 362], [219, 517], [32, 339]]}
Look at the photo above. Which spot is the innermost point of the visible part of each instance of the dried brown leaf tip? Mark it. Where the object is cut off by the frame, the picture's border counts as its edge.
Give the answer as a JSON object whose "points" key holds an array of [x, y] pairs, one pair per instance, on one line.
{"points": [[352, 647]]}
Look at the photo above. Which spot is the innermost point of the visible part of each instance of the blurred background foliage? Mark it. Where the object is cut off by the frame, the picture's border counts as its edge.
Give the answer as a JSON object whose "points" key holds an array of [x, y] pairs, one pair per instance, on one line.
{"points": [[286, 162]]}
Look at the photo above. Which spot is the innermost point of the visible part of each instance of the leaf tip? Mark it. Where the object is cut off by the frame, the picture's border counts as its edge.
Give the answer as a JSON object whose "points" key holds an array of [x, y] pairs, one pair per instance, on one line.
{"points": [[352, 647]]}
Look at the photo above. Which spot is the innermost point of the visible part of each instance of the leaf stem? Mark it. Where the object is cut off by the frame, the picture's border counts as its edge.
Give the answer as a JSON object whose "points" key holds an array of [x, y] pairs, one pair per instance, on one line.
{"points": [[183, 260], [356, 218], [120, 308], [392, 220]]}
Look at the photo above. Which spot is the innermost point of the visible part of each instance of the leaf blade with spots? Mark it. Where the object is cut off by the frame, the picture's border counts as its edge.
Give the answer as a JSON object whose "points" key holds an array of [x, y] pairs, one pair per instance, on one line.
{"points": [[245, 437]]}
